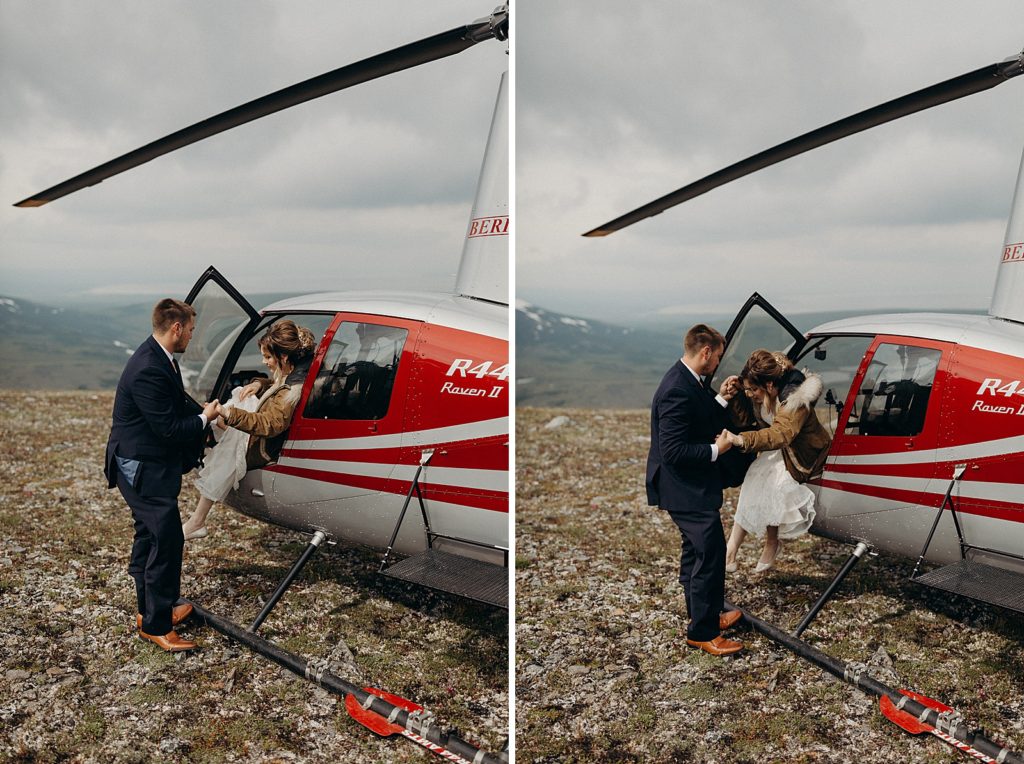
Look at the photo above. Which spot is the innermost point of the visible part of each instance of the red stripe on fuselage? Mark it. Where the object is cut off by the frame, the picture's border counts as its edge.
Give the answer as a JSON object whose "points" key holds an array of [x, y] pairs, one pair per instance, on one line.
{"points": [[480, 455], [998, 510], [477, 498], [1001, 469]]}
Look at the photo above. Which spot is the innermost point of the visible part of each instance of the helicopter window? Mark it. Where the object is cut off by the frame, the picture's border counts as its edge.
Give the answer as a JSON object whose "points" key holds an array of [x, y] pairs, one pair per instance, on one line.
{"points": [[893, 396], [219, 321], [358, 373], [835, 360]]}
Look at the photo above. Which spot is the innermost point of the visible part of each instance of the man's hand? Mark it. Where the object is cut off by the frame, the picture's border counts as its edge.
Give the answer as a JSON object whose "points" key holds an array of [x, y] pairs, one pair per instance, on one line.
{"points": [[724, 441], [212, 410], [250, 389], [730, 386]]}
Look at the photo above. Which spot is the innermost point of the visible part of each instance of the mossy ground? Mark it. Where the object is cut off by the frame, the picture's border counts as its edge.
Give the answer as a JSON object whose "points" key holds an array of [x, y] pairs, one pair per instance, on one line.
{"points": [[602, 670], [77, 685]]}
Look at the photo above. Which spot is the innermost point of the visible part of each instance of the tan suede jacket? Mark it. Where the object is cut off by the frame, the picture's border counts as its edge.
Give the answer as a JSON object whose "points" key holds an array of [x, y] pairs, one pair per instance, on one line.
{"points": [[266, 424], [795, 430]]}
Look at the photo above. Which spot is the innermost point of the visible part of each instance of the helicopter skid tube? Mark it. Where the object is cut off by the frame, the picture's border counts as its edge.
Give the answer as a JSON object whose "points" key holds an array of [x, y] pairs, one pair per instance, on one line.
{"points": [[857, 676], [417, 729]]}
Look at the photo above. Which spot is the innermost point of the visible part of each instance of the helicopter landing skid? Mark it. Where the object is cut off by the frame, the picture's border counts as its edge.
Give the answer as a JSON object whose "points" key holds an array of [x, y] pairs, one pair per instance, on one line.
{"points": [[381, 712], [929, 714]]}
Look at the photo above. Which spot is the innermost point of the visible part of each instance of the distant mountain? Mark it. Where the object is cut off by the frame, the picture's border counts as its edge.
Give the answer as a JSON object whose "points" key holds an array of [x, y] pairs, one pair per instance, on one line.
{"points": [[50, 348], [84, 348], [568, 361]]}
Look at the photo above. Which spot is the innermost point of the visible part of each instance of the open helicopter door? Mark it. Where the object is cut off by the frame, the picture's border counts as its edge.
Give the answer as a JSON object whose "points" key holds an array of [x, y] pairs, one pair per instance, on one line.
{"points": [[757, 325], [224, 322]]}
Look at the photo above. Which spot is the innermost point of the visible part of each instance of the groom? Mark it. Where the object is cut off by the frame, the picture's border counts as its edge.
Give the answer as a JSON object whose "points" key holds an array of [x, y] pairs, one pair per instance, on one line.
{"points": [[683, 478], [155, 438]]}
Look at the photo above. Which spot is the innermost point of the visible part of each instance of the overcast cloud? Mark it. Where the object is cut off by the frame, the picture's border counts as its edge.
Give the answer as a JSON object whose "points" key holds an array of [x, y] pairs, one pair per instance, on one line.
{"points": [[618, 104], [368, 188]]}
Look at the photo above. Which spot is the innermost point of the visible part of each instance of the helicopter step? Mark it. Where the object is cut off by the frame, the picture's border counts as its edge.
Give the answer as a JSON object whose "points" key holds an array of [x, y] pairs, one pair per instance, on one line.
{"points": [[978, 581], [463, 576]]}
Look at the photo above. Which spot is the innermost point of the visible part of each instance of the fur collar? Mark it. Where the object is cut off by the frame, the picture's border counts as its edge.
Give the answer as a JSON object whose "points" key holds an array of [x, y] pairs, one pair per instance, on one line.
{"points": [[803, 394]]}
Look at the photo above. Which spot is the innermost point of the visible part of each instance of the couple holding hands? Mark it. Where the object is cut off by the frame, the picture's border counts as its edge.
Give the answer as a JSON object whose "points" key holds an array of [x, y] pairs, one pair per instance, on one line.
{"points": [[157, 435], [702, 443]]}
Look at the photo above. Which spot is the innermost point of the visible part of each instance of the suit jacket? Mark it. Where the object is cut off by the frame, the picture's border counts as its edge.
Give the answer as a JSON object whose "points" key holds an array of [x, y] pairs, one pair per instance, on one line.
{"points": [[685, 420], [154, 422]]}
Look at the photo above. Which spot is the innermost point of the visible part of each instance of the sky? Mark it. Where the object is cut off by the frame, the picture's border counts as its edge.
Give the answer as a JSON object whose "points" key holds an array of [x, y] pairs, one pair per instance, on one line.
{"points": [[618, 104], [368, 188]]}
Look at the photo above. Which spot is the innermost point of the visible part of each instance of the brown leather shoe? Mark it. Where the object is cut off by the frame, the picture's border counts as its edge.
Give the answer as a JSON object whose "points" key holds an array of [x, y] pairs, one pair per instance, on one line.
{"points": [[178, 614], [170, 642], [718, 646], [729, 618]]}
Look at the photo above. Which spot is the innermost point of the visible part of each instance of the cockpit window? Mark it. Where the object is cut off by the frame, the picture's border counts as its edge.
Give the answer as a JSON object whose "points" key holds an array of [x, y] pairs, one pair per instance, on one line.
{"points": [[893, 396], [358, 373], [836, 360]]}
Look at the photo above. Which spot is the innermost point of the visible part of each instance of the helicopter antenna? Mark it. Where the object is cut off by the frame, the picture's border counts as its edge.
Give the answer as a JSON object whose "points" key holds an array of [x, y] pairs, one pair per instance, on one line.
{"points": [[943, 92]]}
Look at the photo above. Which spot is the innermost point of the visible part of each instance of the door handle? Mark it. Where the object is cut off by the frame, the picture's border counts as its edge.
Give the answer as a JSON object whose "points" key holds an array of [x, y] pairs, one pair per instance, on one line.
{"points": [[910, 444]]}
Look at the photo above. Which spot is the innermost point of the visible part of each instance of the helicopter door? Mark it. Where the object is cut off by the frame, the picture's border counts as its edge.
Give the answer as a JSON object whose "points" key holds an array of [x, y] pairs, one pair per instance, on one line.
{"points": [[757, 325], [348, 426], [884, 448], [223, 320]]}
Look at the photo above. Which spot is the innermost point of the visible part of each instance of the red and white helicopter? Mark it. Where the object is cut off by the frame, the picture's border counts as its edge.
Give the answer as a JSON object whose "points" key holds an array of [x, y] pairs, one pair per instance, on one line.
{"points": [[926, 410], [406, 402]]}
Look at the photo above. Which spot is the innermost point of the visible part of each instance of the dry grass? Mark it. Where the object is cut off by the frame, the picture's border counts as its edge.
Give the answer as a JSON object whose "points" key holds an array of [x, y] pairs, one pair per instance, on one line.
{"points": [[76, 685], [603, 673]]}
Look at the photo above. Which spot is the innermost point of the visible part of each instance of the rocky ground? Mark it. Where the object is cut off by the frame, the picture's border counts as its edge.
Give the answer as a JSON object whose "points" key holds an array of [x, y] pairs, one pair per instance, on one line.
{"points": [[77, 685], [602, 670]]}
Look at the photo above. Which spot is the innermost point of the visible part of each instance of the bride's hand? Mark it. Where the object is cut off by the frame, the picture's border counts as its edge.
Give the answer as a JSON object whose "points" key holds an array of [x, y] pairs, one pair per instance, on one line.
{"points": [[250, 389]]}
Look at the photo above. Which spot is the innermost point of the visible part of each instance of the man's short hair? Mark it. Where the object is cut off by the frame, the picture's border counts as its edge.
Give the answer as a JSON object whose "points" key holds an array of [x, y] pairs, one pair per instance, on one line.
{"points": [[700, 336], [169, 310]]}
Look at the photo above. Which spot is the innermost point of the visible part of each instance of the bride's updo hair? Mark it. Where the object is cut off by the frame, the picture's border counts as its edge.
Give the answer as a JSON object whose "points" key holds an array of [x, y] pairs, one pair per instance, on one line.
{"points": [[765, 366], [285, 340]]}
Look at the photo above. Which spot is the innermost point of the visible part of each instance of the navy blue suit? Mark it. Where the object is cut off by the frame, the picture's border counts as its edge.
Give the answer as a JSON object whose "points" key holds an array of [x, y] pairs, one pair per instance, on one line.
{"points": [[682, 479], [156, 425]]}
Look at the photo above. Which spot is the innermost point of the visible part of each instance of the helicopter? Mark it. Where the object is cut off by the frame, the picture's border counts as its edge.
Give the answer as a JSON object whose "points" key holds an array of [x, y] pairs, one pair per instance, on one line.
{"points": [[926, 414], [406, 402]]}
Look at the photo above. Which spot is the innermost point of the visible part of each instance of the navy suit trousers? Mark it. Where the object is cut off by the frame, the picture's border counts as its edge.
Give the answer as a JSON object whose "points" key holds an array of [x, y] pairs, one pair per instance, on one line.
{"points": [[156, 555], [702, 570]]}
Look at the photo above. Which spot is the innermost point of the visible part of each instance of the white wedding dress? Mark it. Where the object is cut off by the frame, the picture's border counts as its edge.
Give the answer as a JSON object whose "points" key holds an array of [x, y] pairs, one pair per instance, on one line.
{"points": [[224, 465], [770, 496]]}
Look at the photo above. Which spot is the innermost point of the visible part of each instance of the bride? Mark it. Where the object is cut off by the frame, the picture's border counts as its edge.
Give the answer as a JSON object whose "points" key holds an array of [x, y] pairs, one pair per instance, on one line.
{"points": [[255, 420], [791, 446]]}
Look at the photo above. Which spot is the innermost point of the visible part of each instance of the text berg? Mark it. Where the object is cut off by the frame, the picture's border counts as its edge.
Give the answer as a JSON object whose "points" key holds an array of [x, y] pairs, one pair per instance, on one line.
{"points": [[1013, 253], [497, 226]]}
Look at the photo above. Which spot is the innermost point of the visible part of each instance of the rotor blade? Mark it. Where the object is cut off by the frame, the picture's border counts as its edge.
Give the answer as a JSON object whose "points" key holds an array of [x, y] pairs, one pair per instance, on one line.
{"points": [[405, 57], [958, 87]]}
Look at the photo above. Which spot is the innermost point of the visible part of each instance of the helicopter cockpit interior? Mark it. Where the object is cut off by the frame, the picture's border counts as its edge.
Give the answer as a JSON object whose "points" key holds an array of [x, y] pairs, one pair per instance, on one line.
{"points": [[893, 396]]}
